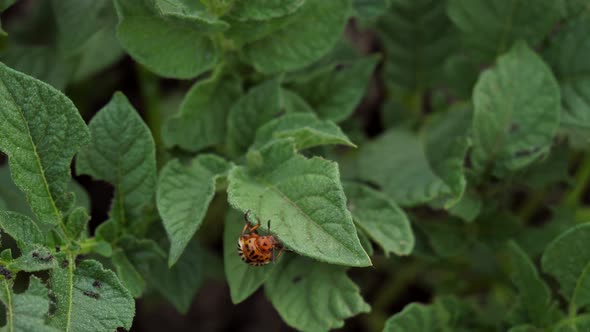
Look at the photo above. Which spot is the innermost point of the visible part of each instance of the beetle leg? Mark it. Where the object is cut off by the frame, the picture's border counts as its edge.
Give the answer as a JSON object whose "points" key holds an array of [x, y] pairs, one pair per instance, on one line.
{"points": [[275, 257]]}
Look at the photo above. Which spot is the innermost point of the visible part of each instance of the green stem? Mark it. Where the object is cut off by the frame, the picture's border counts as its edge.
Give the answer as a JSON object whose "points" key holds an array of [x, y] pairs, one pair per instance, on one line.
{"points": [[531, 205], [9, 314], [582, 176]]}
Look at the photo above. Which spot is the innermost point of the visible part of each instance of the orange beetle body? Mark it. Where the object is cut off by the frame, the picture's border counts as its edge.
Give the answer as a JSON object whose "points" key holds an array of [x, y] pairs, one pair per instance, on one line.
{"points": [[255, 249]]}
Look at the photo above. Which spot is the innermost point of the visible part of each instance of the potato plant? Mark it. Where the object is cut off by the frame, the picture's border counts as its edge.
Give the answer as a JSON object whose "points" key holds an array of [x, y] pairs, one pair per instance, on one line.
{"points": [[424, 163]]}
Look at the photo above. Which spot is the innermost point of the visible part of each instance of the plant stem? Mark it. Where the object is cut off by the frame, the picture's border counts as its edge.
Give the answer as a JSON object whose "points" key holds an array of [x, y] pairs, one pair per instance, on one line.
{"points": [[582, 176]]}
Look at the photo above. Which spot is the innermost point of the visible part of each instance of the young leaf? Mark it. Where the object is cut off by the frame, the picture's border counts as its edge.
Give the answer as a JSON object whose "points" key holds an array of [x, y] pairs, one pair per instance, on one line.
{"points": [[184, 194], [33, 258], [491, 27], [304, 200], [260, 10], [418, 37], [534, 294], [128, 274], [397, 163], [567, 260], [380, 218], [76, 222], [21, 228], [517, 105], [26, 311], [201, 121], [312, 296], [304, 38], [305, 129], [168, 42], [335, 94], [243, 279], [258, 106], [41, 132], [89, 298], [121, 152]]}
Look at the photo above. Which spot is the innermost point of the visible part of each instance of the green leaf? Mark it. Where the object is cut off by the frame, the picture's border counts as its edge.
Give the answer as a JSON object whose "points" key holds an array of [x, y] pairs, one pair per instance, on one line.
{"points": [[567, 260], [258, 106], [167, 41], [243, 279], [491, 27], [128, 274], [26, 311], [335, 94], [292, 102], [448, 238], [380, 218], [303, 198], [417, 37], [517, 105], [302, 39], [414, 317], [305, 129], [122, 153], [89, 298], [76, 222], [446, 144], [567, 56], [180, 283], [574, 324], [369, 9], [533, 291], [298, 289], [397, 163], [33, 258], [201, 121], [14, 198], [184, 194], [263, 9], [42, 132], [20, 227], [87, 16]]}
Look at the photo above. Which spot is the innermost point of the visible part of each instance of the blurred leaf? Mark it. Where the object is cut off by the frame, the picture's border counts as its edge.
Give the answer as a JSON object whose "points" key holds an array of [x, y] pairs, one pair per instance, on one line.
{"points": [[335, 94], [396, 162], [122, 153], [26, 311], [183, 196], [414, 317], [447, 238], [128, 274], [243, 279], [370, 9], [201, 121], [260, 105], [568, 260], [169, 42], [299, 40], [417, 36], [264, 9], [42, 62], [305, 129], [491, 27], [42, 132], [298, 290], [89, 298], [380, 218], [517, 105], [304, 199]]}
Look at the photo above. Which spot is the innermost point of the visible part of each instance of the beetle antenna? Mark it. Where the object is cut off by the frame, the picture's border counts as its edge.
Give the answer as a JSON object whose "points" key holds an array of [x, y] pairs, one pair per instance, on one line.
{"points": [[268, 227]]}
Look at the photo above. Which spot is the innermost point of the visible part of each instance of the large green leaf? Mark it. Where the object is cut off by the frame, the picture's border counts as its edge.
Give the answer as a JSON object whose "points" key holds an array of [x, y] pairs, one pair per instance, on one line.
{"points": [[302, 39], [168, 41], [491, 27], [335, 94], [243, 279], [41, 132], [533, 293], [305, 129], [396, 162], [122, 153], [568, 57], [567, 259], [20, 227], [128, 274], [418, 37], [304, 200], [517, 105], [313, 296], [201, 121], [258, 106], [184, 194], [89, 298], [380, 218], [264, 9], [26, 311]]}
